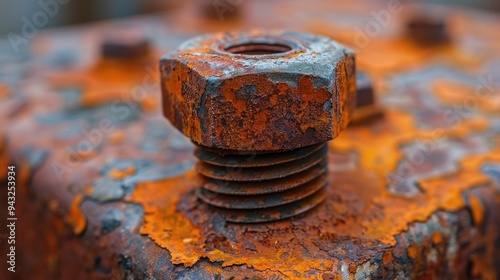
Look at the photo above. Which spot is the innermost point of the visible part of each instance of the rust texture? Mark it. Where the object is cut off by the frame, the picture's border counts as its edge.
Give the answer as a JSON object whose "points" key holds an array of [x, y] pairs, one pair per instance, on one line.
{"points": [[295, 185], [107, 188], [278, 94], [259, 91]]}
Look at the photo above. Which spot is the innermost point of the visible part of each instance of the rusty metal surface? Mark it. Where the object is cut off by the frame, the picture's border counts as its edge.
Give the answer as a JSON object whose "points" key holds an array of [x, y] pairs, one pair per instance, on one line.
{"points": [[259, 90], [413, 194]]}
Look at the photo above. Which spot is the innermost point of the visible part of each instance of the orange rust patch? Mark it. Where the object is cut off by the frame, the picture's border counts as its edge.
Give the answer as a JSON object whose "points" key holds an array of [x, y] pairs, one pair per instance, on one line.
{"points": [[382, 156], [75, 217], [464, 95], [251, 112], [477, 209], [189, 124], [437, 238], [120, 174], [259, 124], [172, 230], [346, 94], [169, 228], [273, 99], [116, 137], [148, 104], [4, 91], [412, 251], [103, 82], [352, 268], [87, 190], [387, 257], [318, 96]]}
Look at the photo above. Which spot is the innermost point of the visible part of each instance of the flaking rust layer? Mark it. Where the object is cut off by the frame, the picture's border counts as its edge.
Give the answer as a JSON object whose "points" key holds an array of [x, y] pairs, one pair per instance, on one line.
{"points": [[413, 194]]}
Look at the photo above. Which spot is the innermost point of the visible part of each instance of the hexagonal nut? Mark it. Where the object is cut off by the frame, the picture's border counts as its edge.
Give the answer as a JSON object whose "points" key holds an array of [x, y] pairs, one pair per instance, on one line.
{"points": [[259, 91]]}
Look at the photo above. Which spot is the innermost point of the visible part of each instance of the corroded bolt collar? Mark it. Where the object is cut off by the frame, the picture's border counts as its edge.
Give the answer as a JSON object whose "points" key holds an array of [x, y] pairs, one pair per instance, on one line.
{"points": [[258, 90]]}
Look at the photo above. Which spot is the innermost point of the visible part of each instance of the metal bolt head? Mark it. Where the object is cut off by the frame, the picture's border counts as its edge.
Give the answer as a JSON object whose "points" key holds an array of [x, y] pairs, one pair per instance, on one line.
{"points": [[365, 95], [258, 90], [428, 29], [367, 107], [125, 43]]}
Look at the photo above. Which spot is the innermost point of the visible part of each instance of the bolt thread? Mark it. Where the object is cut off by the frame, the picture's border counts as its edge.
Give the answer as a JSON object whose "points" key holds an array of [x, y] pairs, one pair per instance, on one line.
{"points": [[262, 187]]}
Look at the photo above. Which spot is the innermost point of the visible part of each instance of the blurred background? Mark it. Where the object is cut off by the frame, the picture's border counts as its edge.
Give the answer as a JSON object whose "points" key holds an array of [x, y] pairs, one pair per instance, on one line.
{"points": [[81, 11]]}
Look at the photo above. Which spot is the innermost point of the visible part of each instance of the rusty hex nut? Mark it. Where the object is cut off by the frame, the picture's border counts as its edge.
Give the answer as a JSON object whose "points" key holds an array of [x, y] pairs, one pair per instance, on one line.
{"points": [[259, 91]]}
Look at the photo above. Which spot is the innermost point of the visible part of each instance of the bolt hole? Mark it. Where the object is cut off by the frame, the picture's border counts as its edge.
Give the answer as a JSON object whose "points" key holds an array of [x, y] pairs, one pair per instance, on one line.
{"points": [[257, 49]]}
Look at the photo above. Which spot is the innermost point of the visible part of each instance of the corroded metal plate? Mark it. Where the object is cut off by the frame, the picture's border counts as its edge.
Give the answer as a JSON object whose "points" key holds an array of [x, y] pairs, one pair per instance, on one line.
{"points": [[107, 188]]}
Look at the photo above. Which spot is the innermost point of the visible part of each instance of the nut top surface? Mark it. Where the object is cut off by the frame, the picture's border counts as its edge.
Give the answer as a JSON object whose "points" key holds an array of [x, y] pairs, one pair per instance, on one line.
{"points": [[259, 91]]}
